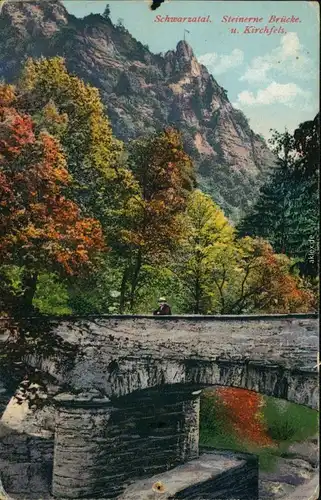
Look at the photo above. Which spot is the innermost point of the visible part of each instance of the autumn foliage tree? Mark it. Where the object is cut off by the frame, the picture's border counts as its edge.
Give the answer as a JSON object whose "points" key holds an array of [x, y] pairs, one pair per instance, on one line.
{"points": [[274, 286], [287, 211], [62, 170], [223, 274], [249, 277], [40, 228], [151, 222]]}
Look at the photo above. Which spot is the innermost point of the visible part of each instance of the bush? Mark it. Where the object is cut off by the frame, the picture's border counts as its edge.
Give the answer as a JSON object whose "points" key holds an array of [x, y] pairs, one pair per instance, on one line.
{"points": [[51, 296], [289, 423]]}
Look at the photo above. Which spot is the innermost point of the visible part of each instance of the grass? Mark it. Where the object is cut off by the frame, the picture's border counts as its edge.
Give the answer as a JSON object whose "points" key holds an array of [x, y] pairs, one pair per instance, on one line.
{"points": [[285, 425]]}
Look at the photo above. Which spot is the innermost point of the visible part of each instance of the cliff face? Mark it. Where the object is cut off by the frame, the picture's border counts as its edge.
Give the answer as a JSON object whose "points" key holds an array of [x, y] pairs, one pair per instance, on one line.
{"points": [[143, 92]]}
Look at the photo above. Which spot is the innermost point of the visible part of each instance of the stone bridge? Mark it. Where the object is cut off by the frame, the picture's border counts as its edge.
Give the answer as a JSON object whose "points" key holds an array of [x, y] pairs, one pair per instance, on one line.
{"points": [[129, 401], [273, 355]]}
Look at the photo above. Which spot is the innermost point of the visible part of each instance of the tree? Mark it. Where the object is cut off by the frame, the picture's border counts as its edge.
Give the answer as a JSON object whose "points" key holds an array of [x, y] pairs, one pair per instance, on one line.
{"points": [[306, 175], [40, 228], [286, 213], [307, 144], [249, 277], [151, 222], [206, 229], [106, 13], [269, 217], [64, 106], [223, 274]]}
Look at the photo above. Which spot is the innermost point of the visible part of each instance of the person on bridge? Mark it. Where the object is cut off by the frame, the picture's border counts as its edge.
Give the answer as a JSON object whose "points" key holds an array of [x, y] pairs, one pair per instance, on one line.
{"points": [[163, 309]]}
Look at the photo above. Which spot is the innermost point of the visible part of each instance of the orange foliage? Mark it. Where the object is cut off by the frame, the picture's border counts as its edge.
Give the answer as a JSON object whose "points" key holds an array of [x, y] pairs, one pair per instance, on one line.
{"points": [[39, 226], [165, 175], [243, 410], [280, 291]]}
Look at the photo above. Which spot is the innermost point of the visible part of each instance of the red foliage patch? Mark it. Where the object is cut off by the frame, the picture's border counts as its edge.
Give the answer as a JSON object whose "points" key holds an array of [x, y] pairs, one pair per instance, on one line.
{"points": [[243, 410]]}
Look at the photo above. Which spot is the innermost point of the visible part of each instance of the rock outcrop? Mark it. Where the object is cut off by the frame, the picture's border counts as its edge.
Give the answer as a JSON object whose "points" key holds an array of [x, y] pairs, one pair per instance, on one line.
{"points": [[144, 92], [293, 473]]}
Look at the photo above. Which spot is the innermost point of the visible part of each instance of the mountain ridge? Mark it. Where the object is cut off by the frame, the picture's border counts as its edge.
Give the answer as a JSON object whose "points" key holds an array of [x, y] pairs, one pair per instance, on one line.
{"points": [[144, 92]]}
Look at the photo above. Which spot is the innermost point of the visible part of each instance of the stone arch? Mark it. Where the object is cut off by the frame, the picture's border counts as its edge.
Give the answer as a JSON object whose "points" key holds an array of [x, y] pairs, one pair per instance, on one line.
{"points": [[272, 355], [130, 375]]}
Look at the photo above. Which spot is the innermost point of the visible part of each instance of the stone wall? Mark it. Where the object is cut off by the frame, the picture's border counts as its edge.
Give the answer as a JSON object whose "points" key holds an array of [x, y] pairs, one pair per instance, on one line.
{"points": [[132, 406], [26, 463], [6, 391], [101, 445]]}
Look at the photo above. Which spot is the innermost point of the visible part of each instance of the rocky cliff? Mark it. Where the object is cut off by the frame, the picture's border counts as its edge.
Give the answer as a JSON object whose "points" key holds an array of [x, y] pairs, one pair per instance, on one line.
{"points": [[144, 91]]}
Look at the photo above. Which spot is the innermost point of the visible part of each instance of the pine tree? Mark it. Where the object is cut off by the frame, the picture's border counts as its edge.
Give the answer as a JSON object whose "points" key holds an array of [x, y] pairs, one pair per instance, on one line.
{"points": [[286, 212], [106, 13]]}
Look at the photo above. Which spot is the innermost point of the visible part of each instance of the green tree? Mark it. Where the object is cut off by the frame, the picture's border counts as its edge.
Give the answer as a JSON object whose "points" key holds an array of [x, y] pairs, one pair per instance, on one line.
{"points": [[40, 228], [63, 105], [306, 175], [249, 277], [220, 273], [269, 217], [206, 230], [307, 144], [99, 292], [71, 111]]}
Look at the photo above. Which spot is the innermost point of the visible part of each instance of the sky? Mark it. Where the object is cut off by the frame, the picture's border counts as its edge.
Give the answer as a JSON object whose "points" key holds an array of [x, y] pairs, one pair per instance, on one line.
{"points": [[273, 78]]}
